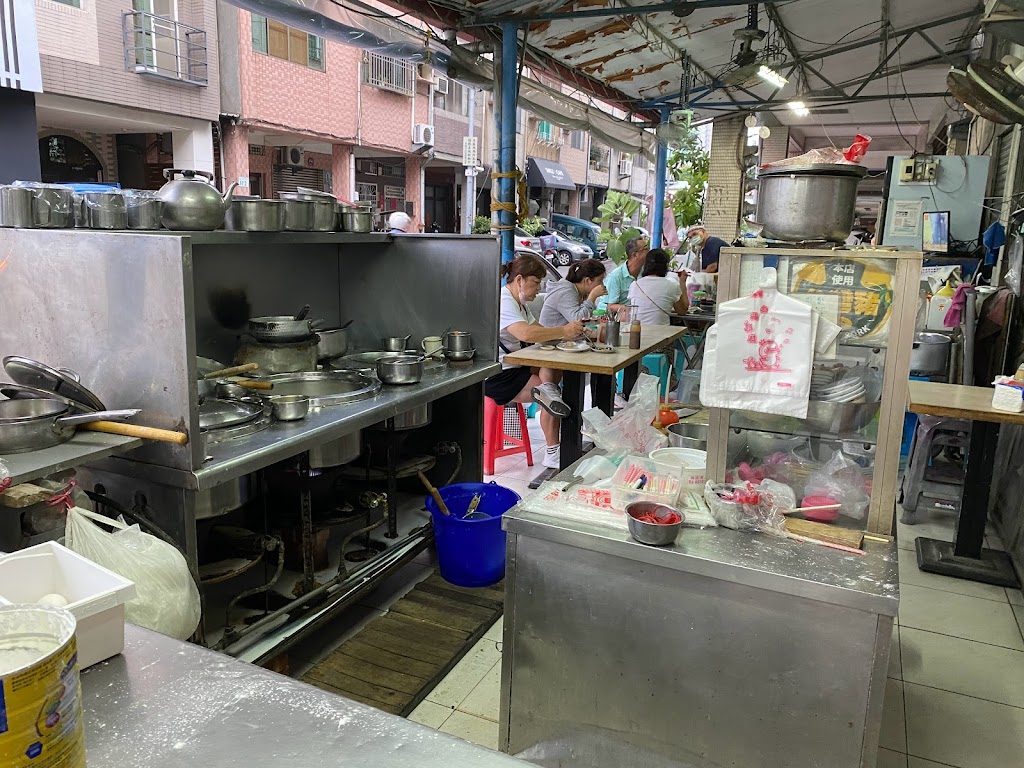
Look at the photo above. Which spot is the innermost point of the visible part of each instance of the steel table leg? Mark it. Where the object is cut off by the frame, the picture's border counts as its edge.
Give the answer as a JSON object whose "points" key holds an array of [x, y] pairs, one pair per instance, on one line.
{"points": [[603, 390], [966, 557], [629, 377], [570, 435]]}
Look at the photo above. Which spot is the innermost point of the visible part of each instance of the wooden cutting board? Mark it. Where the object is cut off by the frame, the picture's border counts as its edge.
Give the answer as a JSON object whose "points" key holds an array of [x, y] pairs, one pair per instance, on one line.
{"points": [[830, 533]]}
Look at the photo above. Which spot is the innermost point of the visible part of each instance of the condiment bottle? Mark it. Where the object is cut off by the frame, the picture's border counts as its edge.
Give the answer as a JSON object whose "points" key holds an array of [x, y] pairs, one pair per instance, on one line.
{"points": [[634, 327], [1019, 375]]}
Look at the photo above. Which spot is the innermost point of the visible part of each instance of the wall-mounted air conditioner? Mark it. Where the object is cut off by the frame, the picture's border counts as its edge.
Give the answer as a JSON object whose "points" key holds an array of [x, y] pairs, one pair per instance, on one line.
{"points": [[293, 155], [423, 134], [441, 85], [625, 167]]}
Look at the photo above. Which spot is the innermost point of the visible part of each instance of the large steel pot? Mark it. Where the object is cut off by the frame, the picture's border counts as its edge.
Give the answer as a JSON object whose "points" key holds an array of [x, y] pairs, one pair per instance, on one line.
{"points": [[279, 328], [800, 203], [686, 435], [325, 208], [226, 497], [145, 209], [929, 354], [33, 424], [53, 206], [342, 450], [333, 343], [104, 210], [298, 215], [356, 219], [287, 357], [190, 203], [253, 214], [15, 206]]}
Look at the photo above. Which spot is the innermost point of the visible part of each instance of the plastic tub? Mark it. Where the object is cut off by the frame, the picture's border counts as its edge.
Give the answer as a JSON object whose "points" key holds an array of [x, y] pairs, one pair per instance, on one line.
{"points": [[95, 596], [660, 486], [471, 553], [688, 463]]}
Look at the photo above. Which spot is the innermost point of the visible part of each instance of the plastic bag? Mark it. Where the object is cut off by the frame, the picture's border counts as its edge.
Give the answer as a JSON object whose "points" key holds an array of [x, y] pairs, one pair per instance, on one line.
{"points": [[828, 155], [630, 430], [749, 507], [168, 599], [5, 477], [843, 480], [1013, 270]]}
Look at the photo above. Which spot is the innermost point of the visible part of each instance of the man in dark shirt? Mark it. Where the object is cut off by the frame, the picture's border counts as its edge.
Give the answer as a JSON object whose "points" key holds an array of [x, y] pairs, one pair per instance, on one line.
{"points": [[706, 246]]}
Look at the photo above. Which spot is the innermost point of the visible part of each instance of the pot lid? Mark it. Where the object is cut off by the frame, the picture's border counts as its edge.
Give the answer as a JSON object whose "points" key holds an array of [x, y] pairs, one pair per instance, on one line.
{"points": [[217, 414], [816, 169], [21, 392], [324, 388], [32, 373]]}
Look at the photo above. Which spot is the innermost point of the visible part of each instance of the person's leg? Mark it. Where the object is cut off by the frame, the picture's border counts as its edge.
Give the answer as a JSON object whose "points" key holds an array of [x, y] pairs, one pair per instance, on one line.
{"points": [[549, 424], [548, 395]]}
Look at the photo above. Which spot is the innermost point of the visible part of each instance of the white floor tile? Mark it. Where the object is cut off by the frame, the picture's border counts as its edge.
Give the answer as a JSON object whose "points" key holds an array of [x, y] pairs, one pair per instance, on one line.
{"points": [[962, 731], [461, 681], [961, 666], [504, 464], [522, 487], [894, 729], [430, 714], [522, 471], [992, 541], [483, 700], [889, 759], [496, 631], [1015, 596], [472, 728], [895, 662], [932, 524], [911, 574], [971, 618]]}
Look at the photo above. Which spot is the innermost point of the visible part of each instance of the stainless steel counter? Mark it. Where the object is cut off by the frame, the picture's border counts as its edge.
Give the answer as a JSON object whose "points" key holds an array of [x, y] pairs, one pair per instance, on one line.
{"points": [[166, 703], [725, 649], [234, 458], [80, 449]]}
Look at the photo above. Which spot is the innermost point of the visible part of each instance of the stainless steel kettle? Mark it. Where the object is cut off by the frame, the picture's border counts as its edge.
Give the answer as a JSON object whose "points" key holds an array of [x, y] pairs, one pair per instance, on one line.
{"points": [[192, 203]]}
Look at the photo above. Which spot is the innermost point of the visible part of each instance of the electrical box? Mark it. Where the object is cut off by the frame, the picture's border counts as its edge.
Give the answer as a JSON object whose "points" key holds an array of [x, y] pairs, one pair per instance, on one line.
{"points": [[906, 172], [918, 170]]}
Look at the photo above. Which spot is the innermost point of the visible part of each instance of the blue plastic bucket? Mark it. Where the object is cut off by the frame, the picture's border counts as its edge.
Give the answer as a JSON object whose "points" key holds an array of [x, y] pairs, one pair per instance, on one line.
{"points": [[471, 553]]}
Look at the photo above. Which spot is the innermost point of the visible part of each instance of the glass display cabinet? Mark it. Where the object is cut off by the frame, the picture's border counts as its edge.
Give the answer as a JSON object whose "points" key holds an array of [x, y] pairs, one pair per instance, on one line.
{"points": [[848, 447]]}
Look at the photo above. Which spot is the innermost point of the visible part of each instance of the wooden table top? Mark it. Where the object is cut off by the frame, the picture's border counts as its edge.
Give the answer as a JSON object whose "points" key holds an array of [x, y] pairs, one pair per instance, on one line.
{"points": [[606, 363], [958, 402]]}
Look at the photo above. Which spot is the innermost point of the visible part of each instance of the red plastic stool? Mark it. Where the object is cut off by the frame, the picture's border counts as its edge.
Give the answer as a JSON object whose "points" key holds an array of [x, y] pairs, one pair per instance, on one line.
{"points": [[496, 441]]}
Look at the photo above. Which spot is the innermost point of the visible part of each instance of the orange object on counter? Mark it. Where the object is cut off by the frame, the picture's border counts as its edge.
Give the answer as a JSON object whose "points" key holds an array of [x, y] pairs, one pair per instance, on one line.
{"points": [[667, 416]]}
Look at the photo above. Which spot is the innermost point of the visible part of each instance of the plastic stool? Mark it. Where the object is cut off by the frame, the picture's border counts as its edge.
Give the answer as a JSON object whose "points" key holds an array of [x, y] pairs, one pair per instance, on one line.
{"points": [[657, 365], [932, 432], [496, 441]]}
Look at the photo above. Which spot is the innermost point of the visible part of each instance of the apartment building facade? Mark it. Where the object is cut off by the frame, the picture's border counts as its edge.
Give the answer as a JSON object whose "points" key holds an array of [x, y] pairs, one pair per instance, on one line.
{"points": [[128, 89]]}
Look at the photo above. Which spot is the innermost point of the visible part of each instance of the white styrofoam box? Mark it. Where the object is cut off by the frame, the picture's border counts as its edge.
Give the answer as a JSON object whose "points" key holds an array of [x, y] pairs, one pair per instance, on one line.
{"points": [[1007, 398], [95, 595]]}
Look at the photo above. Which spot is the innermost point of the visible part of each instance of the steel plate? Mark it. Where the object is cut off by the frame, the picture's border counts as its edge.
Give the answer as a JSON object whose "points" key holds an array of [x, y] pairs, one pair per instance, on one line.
{"points": [[216, 414], [325, 388]]}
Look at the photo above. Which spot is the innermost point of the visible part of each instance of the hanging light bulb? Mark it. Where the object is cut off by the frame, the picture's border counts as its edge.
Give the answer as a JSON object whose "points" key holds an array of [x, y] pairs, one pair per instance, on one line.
{"points": [[769, 75]]}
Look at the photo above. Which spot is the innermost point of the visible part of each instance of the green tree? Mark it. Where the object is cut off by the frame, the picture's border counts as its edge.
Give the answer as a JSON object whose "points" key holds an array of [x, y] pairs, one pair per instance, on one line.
{"points": [[688, 163], [481, 225], [615, 210]]}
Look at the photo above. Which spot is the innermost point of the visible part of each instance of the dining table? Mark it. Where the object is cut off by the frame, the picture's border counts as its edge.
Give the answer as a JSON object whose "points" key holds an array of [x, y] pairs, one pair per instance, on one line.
{"points": [[966, 557], [697, 323], [602, 367]]}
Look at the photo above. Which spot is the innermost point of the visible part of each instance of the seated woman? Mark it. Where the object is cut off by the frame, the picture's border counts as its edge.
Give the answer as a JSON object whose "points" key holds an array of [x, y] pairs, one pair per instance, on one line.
{"points": [[574, 298], [517, 327], [655, 296]]}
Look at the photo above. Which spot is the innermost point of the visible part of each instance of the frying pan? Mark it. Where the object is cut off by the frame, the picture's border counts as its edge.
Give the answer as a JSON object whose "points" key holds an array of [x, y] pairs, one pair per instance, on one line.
{"points": [[30, 425]]}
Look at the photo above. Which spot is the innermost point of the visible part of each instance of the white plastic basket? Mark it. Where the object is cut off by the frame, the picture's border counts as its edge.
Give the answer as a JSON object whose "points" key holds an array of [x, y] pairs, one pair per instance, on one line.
{"points": [[95, 595]]}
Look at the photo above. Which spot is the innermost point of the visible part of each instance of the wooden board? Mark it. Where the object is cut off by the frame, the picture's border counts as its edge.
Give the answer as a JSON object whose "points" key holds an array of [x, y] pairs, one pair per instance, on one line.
{"points": [[831, 533], [24, 495], [957, 402], [607, 363], [398, 658]]}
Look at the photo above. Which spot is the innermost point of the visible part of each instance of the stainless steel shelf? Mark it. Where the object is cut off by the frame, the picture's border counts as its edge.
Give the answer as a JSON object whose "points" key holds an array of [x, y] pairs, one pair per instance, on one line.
{"points": [[809, 433], [282, 440], [83, 448], [220, 237]]}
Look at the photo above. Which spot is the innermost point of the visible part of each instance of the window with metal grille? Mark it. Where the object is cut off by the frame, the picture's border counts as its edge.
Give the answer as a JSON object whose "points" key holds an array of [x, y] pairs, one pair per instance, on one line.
{"points": [[283, 42], [577, 139], [456, 100], [599, 157], [389, 73], [366, 192], [545, 132]]}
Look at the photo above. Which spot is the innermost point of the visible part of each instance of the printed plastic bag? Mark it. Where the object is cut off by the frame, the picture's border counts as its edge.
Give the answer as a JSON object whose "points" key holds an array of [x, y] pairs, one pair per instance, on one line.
{"points": [[843, 480], [630, 430], [168, 599]]}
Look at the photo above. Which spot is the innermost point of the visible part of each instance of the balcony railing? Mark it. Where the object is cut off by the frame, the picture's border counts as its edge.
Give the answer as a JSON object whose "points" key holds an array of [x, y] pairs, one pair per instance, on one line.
{"points": [[158, 46], [389, 74]]}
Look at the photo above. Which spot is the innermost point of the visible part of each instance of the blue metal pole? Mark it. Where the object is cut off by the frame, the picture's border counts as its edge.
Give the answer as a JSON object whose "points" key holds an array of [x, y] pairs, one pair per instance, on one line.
{"points": [[660, 166], [507, 137]]}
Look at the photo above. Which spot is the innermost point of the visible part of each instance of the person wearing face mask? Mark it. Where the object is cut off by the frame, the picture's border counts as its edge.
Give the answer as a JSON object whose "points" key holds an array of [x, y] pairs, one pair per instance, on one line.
{"points": [[620, 278], [574, 298], [518, 327], [707, 247]]}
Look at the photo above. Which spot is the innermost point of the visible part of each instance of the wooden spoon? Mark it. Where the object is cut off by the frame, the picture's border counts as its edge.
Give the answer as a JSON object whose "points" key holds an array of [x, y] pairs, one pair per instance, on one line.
{"points": [[233, 371], [136, 430], [435, 493]]}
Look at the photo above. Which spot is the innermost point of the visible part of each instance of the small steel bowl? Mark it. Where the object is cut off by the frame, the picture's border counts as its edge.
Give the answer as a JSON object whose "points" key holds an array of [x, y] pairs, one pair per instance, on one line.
{"points": [[289, 407], [654, 534], [460, 356], [228, 390]]}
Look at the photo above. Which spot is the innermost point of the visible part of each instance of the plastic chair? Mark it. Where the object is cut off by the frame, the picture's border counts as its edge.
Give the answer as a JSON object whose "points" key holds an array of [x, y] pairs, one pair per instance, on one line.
{"points": [[496, 440], [932, 432], [657, 365]]}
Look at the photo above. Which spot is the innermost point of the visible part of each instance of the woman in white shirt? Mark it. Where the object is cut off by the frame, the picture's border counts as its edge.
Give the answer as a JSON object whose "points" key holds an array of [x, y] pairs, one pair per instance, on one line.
{"points": [[655, 296], [516, 325]]}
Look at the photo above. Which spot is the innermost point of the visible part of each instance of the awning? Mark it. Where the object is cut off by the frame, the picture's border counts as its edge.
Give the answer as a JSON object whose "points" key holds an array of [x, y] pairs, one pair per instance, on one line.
{"points": [[547, 173]]}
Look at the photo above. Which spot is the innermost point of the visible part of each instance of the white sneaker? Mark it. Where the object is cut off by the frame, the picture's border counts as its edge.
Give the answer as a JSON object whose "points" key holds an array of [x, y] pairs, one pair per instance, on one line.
{"points": [[549, 397], [552, 459]]}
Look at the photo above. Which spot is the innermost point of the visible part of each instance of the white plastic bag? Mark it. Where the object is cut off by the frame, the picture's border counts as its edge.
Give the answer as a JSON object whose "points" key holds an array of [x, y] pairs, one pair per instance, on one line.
{"points": [[168, 599], [630, 431]]}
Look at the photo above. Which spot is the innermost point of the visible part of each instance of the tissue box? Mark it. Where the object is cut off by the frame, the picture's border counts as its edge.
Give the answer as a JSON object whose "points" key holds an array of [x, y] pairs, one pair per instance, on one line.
{"points": [[1008, 398]]}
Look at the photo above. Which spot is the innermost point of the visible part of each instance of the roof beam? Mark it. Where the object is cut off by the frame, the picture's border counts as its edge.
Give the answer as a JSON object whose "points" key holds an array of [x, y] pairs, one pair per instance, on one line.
{"points": [[776, 19], [882, 62], [487, 17]]}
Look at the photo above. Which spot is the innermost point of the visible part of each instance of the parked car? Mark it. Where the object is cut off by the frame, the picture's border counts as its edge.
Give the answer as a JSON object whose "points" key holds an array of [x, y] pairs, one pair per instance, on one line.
{"points": [[525, 240], [580, 229], [568, 250], [553, 277]]}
